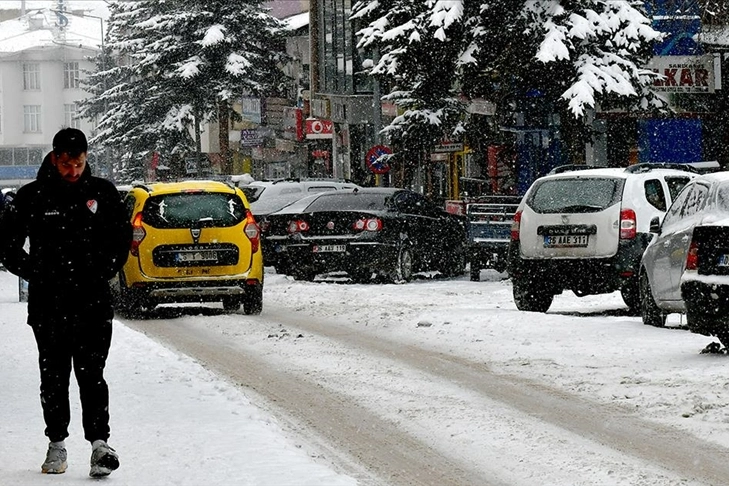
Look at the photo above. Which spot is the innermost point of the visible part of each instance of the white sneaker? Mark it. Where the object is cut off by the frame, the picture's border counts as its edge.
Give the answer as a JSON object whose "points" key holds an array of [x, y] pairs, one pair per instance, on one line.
{"points": [[55, 462], [104, 459]]}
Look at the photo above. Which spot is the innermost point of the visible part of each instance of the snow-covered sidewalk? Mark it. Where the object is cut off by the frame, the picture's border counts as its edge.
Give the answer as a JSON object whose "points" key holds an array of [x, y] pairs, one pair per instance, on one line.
{"points": [[173, 422]]}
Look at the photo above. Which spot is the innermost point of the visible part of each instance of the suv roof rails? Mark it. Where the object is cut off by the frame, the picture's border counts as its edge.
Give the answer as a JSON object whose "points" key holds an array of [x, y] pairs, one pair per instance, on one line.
{"points": [[307, 179], [649, 166], [571, 167]]}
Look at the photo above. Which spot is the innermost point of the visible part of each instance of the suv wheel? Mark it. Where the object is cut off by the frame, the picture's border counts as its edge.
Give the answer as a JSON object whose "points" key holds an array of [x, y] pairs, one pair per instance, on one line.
{"points": [[652, 315], [531, 297], [630, 292], [253, 299]]}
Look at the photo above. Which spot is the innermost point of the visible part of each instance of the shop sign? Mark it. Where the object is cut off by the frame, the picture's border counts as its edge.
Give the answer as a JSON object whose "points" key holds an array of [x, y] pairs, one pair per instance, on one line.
{"points": [[292, 123], [250, 138], [686, 74], [316, 128], [448, 147], [250, 108]]}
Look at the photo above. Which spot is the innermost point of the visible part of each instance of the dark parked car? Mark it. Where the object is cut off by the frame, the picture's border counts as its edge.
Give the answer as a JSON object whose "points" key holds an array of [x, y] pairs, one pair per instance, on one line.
{"points": [[384, 231], [685, 268]]}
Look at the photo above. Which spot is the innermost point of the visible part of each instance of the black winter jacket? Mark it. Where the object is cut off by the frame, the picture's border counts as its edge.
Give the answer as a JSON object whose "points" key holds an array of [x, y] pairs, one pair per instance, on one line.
{"points": [[79, 237]]}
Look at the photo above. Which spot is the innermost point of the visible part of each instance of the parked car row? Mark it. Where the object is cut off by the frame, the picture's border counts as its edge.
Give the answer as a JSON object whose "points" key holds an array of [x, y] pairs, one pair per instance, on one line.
{"points": [[659, 235]]}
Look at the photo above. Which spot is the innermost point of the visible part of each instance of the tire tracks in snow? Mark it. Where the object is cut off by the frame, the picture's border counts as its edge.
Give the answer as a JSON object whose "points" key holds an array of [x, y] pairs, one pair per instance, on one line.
{"points": [[398, 457]]}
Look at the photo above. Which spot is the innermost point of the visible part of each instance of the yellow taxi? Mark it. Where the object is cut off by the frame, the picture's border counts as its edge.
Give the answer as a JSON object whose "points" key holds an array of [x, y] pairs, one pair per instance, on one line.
{"points": [[194, 241]]}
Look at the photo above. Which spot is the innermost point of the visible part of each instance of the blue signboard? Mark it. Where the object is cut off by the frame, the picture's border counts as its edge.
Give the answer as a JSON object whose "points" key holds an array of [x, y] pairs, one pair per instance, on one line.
{"points": [[671, 140], [18, 171], [680, 21]]}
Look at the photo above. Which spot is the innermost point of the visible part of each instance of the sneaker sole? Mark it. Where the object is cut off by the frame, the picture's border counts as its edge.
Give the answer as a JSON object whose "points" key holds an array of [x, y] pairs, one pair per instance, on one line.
{"points": [[55, 470], [105, 466]]}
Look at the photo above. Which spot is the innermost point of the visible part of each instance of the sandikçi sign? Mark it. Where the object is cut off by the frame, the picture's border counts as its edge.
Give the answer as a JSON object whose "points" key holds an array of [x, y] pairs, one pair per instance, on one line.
{"points": [[686, 74]]}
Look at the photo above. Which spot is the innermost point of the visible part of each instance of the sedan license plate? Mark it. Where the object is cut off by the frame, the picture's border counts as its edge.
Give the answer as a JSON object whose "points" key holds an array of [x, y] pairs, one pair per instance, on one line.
{"points": [[329, 248], [565, 241], [197, 256], [723, 260]]}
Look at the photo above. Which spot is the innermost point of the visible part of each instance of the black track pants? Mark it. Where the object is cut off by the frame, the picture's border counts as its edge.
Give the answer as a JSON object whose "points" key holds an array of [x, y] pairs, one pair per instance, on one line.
{"points": [[83, 345]]}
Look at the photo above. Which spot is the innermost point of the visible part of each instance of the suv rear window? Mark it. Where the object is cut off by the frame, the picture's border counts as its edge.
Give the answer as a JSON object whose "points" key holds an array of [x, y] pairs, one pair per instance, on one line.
{"points": [[575, 195], [193, 210]]}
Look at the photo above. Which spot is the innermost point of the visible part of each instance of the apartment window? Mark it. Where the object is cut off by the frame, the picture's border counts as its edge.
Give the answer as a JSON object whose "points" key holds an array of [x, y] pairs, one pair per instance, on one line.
{"points": [[70, 116], [70, 75], [32, 118], [31, 75]]}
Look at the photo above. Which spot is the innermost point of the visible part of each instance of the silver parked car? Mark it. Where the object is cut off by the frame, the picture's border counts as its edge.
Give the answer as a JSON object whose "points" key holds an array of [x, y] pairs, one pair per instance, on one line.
{"points": [[685, 268]]}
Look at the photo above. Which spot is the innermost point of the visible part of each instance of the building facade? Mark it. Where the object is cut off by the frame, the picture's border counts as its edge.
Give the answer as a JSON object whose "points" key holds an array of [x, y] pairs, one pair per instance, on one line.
{"points": [[43, 56]]}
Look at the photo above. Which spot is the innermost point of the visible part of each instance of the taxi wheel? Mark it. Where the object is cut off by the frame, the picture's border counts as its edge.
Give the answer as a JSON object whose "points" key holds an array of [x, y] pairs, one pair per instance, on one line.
{"points": [[253, 299], [231, 303]]}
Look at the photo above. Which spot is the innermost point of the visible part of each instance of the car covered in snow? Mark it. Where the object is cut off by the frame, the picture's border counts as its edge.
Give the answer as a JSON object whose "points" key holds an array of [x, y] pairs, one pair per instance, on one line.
{"points": [[685, 268]]}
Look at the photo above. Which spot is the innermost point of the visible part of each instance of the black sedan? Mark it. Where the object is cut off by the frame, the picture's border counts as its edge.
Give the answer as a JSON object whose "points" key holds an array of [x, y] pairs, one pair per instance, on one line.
{"points": [[388, 232]]}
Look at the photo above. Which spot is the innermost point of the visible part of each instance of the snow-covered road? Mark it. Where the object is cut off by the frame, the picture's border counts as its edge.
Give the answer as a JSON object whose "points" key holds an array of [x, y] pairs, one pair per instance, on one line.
{"points": [[445, 382]]}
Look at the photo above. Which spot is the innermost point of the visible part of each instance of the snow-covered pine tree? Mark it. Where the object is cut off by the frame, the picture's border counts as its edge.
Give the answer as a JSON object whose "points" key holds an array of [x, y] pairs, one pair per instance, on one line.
{"points": [[179, 63], [419, 45], [575, 54]]}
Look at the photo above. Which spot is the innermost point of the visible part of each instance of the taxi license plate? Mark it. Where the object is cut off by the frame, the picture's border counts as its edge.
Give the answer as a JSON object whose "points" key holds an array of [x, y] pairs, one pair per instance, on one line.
{"points": [[723, 260], [565, 241], [197, 256], [329, 248]]}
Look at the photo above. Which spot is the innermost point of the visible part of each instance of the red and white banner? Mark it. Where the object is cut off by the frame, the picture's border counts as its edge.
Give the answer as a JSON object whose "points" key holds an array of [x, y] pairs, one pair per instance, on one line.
{"points": [[316, 128]]}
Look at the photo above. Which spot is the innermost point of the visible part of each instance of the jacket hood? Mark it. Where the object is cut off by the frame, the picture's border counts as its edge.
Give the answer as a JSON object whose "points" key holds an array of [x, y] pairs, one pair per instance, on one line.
{"points": [[47, 172]]}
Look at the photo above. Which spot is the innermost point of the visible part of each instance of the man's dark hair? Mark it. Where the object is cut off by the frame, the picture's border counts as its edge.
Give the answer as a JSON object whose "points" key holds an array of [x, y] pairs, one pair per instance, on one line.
{"points": [[71, 141]]}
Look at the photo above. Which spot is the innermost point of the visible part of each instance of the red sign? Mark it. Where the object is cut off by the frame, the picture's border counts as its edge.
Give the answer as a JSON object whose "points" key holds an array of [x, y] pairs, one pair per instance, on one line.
{"points": [[316, 128], [375, 160]]}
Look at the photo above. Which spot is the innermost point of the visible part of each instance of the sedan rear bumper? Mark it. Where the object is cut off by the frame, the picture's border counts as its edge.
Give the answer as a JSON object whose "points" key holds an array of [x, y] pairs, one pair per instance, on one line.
{"points": [[376, 256]]}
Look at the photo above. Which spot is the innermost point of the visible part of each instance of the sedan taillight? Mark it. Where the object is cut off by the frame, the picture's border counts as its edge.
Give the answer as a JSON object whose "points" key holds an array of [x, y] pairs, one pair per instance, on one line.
{"points": [[367, 224], [297, 226], [138, 234], [692, 257]]}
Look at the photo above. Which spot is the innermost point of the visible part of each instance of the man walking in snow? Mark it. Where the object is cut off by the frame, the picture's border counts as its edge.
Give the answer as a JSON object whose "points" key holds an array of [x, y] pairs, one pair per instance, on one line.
{"points": [[79, 238]]}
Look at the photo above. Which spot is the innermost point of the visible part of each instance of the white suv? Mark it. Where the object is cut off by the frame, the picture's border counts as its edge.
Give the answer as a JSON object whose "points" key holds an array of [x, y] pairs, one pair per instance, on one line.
{"points": [[586, 231]]}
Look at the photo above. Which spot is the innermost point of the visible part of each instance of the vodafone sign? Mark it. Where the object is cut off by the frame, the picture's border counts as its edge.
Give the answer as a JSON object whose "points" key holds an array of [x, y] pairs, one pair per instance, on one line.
{"points": [[316, 128]]}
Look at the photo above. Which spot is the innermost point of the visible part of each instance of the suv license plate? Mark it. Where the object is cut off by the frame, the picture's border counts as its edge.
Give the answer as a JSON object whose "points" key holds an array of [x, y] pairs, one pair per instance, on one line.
{"points": [[197, 256], [723, 260], [329, 248], [565, 241]]}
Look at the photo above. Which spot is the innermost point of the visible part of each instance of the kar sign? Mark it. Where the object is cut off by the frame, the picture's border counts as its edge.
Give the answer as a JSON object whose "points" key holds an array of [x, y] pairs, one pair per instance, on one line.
{"points": [[686, 74]]}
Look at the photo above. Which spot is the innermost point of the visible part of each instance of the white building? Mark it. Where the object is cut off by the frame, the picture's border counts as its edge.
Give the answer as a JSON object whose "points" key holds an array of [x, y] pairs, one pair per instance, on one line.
{"points": [[43, 56]]}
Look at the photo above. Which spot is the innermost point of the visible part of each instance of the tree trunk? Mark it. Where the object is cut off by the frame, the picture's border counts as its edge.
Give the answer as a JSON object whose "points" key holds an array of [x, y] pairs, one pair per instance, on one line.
{"points": [[226, 165]]}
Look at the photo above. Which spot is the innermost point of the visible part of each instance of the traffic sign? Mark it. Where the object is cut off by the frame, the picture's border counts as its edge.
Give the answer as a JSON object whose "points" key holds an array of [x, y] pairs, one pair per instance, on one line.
{"points": [[375, 160]]}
